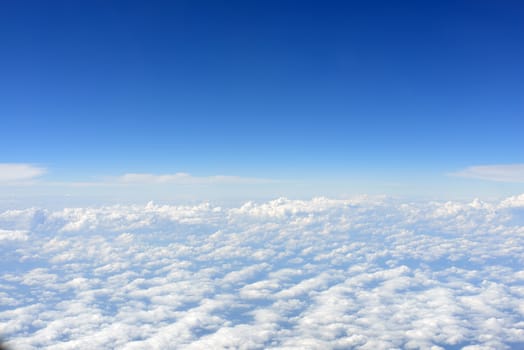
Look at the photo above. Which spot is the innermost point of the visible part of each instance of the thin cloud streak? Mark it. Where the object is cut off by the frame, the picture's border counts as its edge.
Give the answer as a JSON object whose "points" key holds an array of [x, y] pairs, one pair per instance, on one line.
{"points": [[14, 174], [19, 172], [500, 172], [187, 179]]}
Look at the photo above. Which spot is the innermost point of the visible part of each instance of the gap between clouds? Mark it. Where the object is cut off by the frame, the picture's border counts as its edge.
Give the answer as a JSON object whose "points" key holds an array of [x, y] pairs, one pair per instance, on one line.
{"points": [[498, 172]]}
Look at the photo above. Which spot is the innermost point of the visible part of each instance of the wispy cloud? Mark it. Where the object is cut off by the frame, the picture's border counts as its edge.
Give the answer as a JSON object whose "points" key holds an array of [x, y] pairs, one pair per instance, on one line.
{"points": [[497, 172], [186, 179], [19, 172]]}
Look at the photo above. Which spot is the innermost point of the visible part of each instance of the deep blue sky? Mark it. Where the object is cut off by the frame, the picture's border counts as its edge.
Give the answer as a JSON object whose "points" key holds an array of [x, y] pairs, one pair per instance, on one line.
{"points": [[261, 88]]}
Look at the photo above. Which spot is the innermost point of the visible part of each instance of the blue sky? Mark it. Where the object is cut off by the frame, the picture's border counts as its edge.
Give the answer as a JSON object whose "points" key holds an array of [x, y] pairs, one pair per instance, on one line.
{"points": [[366, 95]]}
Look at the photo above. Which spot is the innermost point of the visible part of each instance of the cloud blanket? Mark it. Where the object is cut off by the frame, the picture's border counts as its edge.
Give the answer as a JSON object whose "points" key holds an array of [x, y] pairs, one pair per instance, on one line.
{"points": [[366, 273]]}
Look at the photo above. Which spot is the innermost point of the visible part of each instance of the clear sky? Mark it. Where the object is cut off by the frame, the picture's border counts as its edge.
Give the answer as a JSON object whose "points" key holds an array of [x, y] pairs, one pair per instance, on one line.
{"points": [[372, 96]]}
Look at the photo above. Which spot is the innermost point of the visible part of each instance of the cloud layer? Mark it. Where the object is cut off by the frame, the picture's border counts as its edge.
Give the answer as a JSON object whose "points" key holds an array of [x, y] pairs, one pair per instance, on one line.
{"points": [[366, 273]]}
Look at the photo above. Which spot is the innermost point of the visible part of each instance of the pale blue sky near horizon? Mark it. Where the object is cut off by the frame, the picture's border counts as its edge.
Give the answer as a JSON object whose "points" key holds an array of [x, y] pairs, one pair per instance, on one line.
{"points": [[290, 98]]}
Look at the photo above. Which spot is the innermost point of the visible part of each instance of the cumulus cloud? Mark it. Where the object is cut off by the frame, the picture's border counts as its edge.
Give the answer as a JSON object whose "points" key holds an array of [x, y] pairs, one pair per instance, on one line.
{"points": [[11, 172], [500, 172], [10, 235], [361, 273]]}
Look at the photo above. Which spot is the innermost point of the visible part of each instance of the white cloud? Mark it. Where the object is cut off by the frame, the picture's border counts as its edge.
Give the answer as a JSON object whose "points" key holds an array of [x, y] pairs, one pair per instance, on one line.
{"points": [[514, 201], [9, 235], [367, 273], [499, 172], [186, 179], [12, 172]]}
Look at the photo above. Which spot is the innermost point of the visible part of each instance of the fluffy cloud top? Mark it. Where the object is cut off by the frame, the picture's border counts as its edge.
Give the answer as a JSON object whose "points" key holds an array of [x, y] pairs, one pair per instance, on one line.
{"points": [[365, 273], [18, 172], [501, 173]]}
